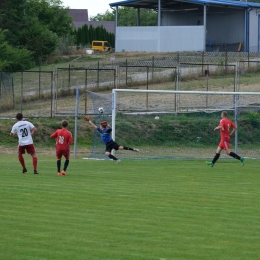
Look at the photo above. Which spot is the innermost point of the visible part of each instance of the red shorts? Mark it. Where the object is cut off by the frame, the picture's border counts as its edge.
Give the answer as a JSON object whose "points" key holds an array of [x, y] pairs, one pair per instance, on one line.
{"points": [[28, 148], [224, 144], [65, 153]]}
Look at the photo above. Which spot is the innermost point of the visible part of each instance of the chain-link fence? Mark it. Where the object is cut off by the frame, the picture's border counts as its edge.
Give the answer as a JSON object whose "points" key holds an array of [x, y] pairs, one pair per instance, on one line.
{"points": [[52, 93], [90, 78], [6, 90], [22, 89]]}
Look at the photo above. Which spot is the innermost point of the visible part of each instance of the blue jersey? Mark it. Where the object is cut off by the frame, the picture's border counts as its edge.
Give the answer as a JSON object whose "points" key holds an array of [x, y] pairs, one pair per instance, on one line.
{"points": [[105, 135]]}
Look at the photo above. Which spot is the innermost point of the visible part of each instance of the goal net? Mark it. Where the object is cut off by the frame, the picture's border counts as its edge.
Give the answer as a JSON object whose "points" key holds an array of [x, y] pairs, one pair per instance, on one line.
{"points": [[176, 124]]}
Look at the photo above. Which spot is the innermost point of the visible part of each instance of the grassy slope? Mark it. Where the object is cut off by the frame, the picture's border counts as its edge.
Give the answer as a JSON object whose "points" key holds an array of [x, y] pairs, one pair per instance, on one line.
{"points": [[161, 209], [167, 131]]}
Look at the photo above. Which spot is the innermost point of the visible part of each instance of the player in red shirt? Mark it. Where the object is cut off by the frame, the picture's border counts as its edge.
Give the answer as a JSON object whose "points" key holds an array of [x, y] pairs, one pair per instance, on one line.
{"points": [[224, 126], [63, 142]]}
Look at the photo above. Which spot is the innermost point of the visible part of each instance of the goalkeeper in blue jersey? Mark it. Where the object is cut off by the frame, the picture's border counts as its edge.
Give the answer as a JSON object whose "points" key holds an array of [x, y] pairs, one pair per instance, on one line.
{"points": [[105, 129]]}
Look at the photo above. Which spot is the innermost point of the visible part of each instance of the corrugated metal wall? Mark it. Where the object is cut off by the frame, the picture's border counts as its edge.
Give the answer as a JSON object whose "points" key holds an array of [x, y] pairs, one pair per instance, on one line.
{"points": [[160, 39]]}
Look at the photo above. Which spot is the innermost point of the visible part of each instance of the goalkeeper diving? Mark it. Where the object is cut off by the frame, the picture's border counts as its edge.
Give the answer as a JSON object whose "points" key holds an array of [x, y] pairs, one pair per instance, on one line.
{"points": [[105, 130]]}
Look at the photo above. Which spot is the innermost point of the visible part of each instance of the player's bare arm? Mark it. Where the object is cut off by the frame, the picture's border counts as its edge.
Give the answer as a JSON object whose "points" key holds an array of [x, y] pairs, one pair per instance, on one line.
{"points": [[87, 118], [91, 123], [33, 131], [217, 128], [233, 131], [54, 135]]}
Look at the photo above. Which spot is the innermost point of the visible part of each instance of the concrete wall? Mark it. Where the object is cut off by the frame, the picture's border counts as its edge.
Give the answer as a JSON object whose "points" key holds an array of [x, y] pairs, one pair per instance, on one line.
{"points": [[160, 39]]}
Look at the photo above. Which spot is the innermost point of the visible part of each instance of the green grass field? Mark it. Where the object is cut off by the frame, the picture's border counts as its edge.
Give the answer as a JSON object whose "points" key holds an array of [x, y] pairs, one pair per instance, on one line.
{"points": [[138, 210]]}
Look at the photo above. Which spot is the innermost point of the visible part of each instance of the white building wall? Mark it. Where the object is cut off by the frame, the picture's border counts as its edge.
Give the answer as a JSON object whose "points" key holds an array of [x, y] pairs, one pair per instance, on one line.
{"points": [[253, 30], [160, 39]]}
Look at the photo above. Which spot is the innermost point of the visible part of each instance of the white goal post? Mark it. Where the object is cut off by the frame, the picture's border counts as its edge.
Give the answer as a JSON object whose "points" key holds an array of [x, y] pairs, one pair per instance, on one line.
{"points": [[177, 93]]}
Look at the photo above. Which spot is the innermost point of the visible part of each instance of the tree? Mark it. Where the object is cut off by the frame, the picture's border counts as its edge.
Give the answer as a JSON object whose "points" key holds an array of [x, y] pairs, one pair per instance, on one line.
{"points": [[52, 14], [12, 58], [85, 35], [12, 19], [35, 25], [107, 16], [39, 40], [127, 16]]}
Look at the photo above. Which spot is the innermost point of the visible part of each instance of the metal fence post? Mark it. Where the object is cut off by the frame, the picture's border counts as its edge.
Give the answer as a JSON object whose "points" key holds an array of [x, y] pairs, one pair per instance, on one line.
{"points": [[69, 76], [147, 87], [39, 82], [248, 55], [0, 84], [175, 79], [207, 88], [86, 88], [177, 88], [55, 92], [202, 62], [98, 75], [226, 61], [118, 76], [13, 89], [76, 123], [126, 72], [115, 78], [21, 94], [236, 111], [152, 67], [51, 93]]}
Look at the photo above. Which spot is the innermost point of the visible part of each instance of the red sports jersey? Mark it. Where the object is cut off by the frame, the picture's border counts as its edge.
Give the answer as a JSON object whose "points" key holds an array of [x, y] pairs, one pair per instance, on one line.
{"points": [[226, 124], [63, 138]]}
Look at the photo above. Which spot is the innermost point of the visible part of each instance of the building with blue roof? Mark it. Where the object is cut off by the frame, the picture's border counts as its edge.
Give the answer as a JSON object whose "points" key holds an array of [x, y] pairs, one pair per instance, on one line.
{"points": [[192, 25]]}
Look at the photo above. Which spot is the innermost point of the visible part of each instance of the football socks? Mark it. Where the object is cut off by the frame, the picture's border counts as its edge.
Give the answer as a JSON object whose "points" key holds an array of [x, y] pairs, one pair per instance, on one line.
{"points": [[215, 158], [112, 157], [34, 159], [128, 148], [66, 165], [21, 160], [234, 155], [58, 165]]}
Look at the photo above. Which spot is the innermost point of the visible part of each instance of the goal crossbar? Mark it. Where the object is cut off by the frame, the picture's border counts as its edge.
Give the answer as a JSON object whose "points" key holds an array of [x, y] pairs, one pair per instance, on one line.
{"points": [[185, 92]]}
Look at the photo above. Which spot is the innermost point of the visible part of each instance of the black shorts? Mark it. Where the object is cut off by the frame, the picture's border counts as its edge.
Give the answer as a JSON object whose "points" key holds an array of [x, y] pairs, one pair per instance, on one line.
{"points": [[111, 145]]}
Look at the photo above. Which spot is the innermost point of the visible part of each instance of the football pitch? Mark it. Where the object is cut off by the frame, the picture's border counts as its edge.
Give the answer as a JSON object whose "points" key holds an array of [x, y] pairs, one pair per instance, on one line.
{"points": [[135, 210]]}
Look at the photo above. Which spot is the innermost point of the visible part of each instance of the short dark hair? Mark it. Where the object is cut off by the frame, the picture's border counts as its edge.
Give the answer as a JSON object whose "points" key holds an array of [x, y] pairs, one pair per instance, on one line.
{"points": [[19, 116], [224, 113], [64, 123], [104, 124]]}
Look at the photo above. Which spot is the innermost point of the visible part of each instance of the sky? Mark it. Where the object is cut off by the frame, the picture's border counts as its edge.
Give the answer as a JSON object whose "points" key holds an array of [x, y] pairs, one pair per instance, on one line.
{"points": [[94, 7]]}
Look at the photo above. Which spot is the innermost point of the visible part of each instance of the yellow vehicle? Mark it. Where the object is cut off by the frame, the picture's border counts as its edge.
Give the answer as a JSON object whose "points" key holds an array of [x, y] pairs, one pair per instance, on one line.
{"points": [[101, 46]]}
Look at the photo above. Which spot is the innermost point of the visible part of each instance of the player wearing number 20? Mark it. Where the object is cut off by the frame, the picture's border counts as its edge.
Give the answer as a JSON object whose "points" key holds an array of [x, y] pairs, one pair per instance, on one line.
{"points": [[25, 130], [63, 142]]}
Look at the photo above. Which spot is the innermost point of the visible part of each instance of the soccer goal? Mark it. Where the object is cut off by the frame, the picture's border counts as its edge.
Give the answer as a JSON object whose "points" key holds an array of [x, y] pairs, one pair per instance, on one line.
{"points": [[177, 124]]}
